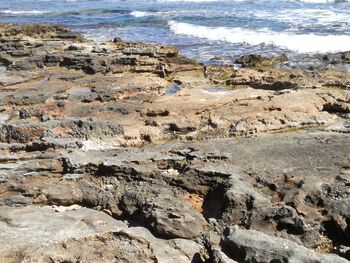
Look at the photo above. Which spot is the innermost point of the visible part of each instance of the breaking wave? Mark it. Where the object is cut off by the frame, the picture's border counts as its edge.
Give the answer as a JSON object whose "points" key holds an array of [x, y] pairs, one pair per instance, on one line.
{"points": [[303, 43], [23, 12]]}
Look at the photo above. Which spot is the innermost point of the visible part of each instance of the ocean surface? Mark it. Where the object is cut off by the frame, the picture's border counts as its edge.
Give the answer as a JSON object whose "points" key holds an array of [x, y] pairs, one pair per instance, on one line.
{"points": [[208, 30]]}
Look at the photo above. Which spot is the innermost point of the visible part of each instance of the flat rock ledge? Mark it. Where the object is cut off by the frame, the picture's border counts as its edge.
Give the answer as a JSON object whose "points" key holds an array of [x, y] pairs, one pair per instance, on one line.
{"points": [[130, 152], [76, 234]]}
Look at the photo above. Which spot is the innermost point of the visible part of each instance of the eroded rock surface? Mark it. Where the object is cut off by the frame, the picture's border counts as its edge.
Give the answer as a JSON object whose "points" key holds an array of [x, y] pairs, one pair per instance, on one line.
{"points": [[253, 246], [40, 234], [128, 152]]}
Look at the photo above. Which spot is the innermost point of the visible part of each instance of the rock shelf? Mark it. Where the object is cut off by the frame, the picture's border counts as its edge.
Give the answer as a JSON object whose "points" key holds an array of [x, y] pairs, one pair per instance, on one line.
{"points": [[130, 152]]}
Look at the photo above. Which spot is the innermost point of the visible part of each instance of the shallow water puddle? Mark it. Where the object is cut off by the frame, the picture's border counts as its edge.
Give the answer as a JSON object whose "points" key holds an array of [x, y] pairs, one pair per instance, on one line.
{"points": [[172, 90], [215, 89]]}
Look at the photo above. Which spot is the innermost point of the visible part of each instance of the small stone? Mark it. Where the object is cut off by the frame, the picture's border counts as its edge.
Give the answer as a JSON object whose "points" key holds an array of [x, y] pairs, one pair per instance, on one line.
{"points": [[24, 113], [44, 118], [40, 199]]}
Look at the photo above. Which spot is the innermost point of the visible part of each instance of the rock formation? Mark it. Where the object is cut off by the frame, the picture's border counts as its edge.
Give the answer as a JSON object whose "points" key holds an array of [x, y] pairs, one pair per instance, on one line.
{"points": [[129, 152]]}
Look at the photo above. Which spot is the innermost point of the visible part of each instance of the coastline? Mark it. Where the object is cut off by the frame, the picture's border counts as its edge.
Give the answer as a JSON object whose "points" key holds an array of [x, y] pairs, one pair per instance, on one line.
{"points": [[167, 152]]}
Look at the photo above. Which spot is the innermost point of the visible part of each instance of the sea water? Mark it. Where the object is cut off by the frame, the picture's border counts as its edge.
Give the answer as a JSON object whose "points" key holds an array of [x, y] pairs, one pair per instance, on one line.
{"points": [[210, 31]]}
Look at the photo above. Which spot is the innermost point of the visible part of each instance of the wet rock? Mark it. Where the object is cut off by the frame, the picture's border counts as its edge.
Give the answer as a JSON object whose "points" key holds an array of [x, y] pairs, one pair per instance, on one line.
{"points": [[336, 58], [38, 30], [119, 42], [345, 56], [253, 60]]}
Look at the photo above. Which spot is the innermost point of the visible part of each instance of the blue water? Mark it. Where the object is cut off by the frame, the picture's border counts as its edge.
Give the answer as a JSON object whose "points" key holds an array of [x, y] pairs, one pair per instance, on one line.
{"points": [[207, 30]]}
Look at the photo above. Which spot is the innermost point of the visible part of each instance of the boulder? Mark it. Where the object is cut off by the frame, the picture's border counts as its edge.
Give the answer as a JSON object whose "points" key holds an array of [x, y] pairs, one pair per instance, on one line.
{"points": [[248, 246]]}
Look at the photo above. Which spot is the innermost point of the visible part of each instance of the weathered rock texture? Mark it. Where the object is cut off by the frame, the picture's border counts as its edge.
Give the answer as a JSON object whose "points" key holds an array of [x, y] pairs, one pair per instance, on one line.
{"points": [[253, 246], [128, 152]]}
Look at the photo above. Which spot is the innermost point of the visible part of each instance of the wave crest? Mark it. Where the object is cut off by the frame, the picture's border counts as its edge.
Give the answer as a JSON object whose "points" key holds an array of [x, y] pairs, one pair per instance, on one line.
{"points": [[140, 13], [22, 12], [303, 43], [322, 1]]}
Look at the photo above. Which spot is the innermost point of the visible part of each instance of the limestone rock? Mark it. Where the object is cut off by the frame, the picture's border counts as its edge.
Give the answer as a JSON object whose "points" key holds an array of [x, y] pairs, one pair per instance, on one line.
{"points": [[43, 235], [252, 246]]}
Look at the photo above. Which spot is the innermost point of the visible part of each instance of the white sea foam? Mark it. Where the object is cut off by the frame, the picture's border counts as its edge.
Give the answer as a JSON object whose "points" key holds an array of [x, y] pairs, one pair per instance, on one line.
{"points": [[308, 17], [304, 43], [141, 13], [23, 12], [200, 1], [321, 1], [159, 13]]}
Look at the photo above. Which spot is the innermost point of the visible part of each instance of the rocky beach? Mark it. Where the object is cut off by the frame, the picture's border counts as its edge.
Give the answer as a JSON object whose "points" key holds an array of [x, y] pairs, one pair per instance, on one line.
{"points": [[129, 152]]}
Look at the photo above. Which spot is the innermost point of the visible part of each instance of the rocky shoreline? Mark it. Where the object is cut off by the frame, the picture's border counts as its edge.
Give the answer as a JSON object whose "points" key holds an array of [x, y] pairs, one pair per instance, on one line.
{"points": [[129, 152]]}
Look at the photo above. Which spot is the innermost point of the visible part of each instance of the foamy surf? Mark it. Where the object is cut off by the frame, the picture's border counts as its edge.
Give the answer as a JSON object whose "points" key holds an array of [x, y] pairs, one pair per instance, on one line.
{"points": [[308, 17], [211, 31], [200, 1], [322, 1], [149, 13], [23, 12], [140, 13], [303, 43]]}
